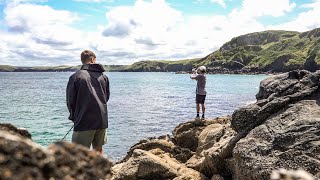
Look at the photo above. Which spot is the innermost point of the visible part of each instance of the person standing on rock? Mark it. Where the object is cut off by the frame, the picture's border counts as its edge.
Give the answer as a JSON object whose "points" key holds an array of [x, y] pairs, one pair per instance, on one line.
{"points": [[200, 76], [87, 96]]}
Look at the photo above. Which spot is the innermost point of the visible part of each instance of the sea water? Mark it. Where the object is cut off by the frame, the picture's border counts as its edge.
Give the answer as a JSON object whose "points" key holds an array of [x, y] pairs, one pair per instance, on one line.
{"points": [[141, 104]]}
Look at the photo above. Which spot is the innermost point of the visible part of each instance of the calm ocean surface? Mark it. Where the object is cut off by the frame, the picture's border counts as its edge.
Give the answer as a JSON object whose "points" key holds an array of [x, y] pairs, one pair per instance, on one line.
{"points": [[141, 105]]}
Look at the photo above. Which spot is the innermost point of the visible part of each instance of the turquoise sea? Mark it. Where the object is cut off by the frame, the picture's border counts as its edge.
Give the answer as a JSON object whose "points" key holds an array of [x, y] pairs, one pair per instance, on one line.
{"points": [[141, 104]]}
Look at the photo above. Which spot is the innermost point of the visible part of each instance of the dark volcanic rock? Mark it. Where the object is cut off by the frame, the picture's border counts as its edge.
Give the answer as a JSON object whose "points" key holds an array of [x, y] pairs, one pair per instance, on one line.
{"points": [[274, 94], [289, 139], [16, 131], [311, 64], [282, 128]]}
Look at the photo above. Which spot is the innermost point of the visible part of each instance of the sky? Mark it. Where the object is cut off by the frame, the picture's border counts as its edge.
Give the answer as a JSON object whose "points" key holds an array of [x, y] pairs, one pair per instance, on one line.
{"points": [[55, 32]]}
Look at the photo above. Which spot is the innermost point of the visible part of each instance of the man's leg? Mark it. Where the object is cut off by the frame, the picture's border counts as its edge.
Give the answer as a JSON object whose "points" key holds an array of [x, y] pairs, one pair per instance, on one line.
{"points": [[99, 140], [198, 105], [83, 137], [203, 109], [98, 149], [198, 109]]}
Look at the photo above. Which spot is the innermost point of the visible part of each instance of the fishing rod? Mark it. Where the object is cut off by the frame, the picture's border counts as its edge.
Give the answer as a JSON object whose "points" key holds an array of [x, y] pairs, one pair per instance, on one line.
{"points": [[67, 133]]}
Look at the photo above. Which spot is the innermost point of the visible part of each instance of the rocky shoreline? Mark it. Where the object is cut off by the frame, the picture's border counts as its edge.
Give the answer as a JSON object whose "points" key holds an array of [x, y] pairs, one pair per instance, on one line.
{"points": [[280, 130]]}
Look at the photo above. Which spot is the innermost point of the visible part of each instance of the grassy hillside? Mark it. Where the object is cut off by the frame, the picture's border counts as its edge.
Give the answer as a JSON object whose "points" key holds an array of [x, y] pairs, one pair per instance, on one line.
{"points": [[162, 66], [275, 51], [267, 51], [6, 68]]}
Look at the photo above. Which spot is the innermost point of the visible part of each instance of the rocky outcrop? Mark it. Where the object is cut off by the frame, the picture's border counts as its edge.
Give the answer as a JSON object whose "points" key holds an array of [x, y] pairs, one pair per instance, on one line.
{"points": [[20, 158], [154, 164], [164, 143], [280, 130], [288, 139], [16, 131]]}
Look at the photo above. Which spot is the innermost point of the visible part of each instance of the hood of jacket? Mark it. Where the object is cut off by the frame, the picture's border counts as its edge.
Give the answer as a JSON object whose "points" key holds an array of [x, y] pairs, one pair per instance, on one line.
{"points": [[93, 67]]}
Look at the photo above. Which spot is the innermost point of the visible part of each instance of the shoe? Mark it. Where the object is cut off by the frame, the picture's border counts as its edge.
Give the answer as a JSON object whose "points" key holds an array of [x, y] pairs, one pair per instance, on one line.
{"points": [[197, 117], [202, 117]]}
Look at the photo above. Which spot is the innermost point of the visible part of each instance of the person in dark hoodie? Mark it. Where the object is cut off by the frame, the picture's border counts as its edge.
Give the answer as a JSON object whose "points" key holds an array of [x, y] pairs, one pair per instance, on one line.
{"points": [[87, 96]]}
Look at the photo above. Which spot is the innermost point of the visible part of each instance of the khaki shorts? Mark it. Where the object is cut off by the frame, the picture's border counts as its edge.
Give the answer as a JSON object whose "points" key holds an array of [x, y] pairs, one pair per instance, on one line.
{"points": [[95, 137]]}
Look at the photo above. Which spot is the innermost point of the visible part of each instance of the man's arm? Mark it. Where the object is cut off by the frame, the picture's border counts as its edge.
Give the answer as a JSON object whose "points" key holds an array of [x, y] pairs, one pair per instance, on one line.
{"points": [[194, 74], [71, 98], [108, 89]]}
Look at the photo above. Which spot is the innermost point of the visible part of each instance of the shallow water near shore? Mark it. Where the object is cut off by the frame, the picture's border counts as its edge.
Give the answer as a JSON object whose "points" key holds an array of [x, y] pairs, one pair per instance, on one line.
{"points": [[141, 104]]}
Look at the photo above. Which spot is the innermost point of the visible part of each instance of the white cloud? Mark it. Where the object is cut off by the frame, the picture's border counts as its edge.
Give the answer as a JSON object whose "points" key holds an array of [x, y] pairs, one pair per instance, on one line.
{"points": [[41, 35], [24, 17], [304, 21], [254, 8], [220, 2]]}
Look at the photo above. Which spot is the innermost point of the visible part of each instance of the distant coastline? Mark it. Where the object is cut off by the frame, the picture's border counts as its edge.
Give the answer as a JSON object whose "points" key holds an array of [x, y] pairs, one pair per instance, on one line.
{"points": [[127, 68], [183, 69], [7, 68], [265, 52]]}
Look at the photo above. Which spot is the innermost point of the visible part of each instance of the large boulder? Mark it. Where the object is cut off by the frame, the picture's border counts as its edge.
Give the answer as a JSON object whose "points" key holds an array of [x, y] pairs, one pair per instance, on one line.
{"points": [[154, 164], [280, 130], [166, 144], [186, 135], [216, 142], [20, 158], [288, 139]]}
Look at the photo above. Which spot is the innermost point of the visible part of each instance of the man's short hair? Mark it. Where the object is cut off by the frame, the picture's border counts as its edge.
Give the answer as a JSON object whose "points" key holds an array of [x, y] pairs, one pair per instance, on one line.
{"points": [[87, 56]]}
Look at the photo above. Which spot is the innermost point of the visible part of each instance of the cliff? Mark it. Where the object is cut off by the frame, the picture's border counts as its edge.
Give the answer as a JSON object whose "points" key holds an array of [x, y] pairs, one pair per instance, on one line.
{"points": [[267, 51]]}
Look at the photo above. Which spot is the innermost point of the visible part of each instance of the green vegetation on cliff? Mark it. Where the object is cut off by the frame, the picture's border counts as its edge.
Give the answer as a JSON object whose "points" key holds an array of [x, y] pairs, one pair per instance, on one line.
{"points": [[275, 51], [6, 68], [162, 66]]}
